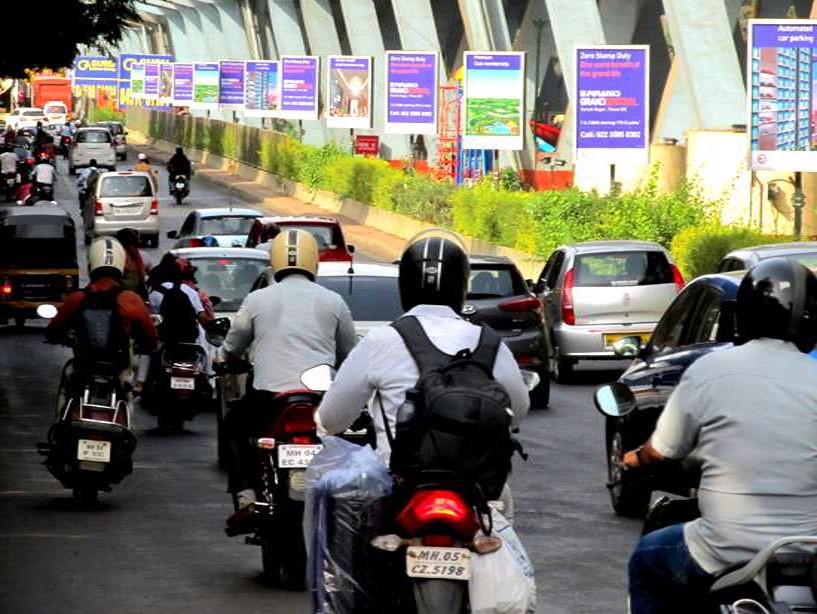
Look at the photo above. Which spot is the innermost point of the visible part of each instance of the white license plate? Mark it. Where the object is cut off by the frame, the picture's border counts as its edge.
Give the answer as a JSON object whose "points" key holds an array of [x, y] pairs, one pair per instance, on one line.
{"points": [[127, 210], [92, 450], [179, 186], [182, 383], [297, 456], [445, 563]]}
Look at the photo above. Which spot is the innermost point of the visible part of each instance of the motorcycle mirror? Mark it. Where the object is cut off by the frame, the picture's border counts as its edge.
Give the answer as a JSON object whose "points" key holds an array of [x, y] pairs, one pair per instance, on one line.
{"points": [[156, 319], [216, 330], [614, 400], [318, 379], [215, 300], [46, 311], [531, 379]]}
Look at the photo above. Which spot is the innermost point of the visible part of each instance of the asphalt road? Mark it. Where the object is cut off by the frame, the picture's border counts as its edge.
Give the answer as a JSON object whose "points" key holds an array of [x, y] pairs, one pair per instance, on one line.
{"points": [[156, 542]]}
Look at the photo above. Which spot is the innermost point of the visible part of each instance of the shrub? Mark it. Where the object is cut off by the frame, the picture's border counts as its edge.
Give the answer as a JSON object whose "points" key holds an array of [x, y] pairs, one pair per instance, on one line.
{"points": [[311, 164], [355, 177], [421, 197], [97, 114], [490, 214]]}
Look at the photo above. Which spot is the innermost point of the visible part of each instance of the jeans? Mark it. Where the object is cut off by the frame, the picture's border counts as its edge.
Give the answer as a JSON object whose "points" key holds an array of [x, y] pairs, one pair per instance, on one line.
{"points": [[664, 578]]}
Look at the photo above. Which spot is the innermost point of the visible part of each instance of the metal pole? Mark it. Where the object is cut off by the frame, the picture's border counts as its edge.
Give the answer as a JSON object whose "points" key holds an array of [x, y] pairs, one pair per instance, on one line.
{"points": [[539, 24], [799, 204]]}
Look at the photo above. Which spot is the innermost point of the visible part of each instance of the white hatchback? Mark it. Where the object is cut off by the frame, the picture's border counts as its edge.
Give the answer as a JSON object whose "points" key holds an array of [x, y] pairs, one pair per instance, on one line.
{"points": [[92, 144], [26, 117]]}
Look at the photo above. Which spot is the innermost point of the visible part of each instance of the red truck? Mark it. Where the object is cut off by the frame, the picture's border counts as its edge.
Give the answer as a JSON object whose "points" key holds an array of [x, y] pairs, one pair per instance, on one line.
{"points": [[46, 89]]}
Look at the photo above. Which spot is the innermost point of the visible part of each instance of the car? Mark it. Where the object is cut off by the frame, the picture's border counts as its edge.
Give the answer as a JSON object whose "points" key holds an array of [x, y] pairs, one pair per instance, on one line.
{"points": [[119, 137], [122, 199], [499, 297], [747, 257], [92, 144], [26, 117], [700, 320], [55, 112], [229, 226], [597, 292], [327, 231]]}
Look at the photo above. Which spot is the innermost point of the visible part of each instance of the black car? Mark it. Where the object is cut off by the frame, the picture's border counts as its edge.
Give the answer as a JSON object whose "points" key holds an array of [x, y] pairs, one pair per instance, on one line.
{"points": [[700, 320]]}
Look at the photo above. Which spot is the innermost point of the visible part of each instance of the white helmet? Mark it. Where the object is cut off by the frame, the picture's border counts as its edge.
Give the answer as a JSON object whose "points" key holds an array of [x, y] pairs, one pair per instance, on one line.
{"points": [[143, 156], [106, 256]]}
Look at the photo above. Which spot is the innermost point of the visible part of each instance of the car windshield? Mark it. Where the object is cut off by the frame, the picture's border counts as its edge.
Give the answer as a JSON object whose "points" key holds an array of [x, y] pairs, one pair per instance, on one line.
{"points": [[43, 243], [94, 136], [55, 108], [230, 279], [615, 269], [124, 186], [498, 282], [226, 225], [324, 235], [370, 298]]}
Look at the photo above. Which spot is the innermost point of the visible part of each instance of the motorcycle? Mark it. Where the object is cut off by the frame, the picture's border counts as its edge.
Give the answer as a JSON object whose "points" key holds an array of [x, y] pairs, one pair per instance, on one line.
{"points": [[10, 181], [65, 145], [179, 387], [45, 191], [180, 188], [25, 194], [90, 446]]}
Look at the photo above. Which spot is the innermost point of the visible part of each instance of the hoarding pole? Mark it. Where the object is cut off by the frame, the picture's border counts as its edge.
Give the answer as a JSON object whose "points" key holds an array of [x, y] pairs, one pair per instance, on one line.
{"points": [[799, 204], [614, 188]]}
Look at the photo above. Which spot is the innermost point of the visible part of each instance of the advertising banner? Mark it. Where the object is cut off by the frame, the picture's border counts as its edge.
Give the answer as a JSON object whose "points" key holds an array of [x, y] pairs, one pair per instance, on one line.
{"points": [[782, 100], [124, 93], [95, 76], [261, 89], [411, 92], [231, 84], [152, 71], [205, 85], [299, 87], [166, 82], [612, 104], [349, 92], [494, 100], [182, 84], [137, 82]]}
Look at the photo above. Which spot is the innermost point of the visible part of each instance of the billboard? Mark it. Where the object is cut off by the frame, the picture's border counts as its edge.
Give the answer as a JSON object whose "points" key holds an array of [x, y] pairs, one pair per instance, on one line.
{"points": [[494, 100], [298, 97], [231, 84], [182, 84], [95, 76], [411, 92], [137, 82], [612, 104], [261, 89], [205, 85], [349, 92], [782, 94], [166, 82], [127, 63], [152, 70]]}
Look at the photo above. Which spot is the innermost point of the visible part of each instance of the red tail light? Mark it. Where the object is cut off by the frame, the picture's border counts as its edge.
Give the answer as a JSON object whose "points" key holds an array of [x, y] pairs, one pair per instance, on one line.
{"points": [[69, 282], [528, 303], [677, 278], [295, 419], [196, 242], [432, 508], [6, 288], [98, 208], [439, 541], [154, 207], [568, 315]]}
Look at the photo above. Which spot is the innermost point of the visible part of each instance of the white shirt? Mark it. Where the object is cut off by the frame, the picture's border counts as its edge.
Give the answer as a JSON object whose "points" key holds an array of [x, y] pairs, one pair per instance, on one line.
{"points": [[8, 162], [381, 362], [156, 298], [85, 173], [749, 415], [44, 173]]}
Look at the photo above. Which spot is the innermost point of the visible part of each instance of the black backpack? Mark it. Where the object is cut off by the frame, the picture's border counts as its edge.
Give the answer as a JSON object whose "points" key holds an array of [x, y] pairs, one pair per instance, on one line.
{"points": [[460, 427], [101, 339], [179, 318]]}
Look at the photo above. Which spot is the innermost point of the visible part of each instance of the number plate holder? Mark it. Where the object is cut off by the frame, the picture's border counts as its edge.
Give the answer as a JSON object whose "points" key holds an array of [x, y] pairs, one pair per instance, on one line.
{"points": [[182, 383], [291, 456], [438, 563], [93, 450]]}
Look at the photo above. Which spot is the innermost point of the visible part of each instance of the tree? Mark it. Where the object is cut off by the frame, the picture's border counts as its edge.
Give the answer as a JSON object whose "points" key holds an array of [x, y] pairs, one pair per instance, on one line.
{"points": [[37, 35]]}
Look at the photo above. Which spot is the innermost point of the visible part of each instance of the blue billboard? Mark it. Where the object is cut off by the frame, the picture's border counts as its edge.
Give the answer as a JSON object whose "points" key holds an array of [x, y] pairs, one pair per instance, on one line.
{"points": [[126, 62]]}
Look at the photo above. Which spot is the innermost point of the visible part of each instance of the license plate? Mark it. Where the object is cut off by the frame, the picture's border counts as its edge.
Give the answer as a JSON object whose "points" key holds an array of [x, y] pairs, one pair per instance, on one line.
{"points": [[297, 456], [611, 338], [182, 383], [445, 563], [93, 450], [179, 186]]}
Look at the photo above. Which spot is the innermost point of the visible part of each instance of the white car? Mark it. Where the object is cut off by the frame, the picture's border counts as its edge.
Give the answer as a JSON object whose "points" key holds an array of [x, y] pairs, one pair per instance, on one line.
{"points": [[26, 117], [124, 199], [56, 112], [92, 144]]}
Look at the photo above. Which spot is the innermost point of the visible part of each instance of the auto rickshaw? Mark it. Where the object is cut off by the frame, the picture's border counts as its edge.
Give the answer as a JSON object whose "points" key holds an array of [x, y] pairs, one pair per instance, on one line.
{"points": [[38, 259]]}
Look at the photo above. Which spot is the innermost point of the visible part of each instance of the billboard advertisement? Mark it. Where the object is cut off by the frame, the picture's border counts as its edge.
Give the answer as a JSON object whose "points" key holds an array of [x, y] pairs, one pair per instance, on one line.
{"points": [[261, 89], [231, 84], [299, 87], [152, 70], [166, 82], [205, 85], [411, 92], [612, 104], [182, 84], [95, 76], [125, 95], [782, 94], [137, 82], [493, 100], [349, 92]]}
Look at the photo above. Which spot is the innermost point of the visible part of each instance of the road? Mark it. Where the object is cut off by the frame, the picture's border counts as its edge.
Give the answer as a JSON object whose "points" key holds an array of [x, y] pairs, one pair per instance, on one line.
{"points": [[156, 542]]}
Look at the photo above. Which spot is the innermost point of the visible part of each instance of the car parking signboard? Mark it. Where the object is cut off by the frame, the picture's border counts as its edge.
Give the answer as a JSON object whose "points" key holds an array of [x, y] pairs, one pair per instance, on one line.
{"points": [[782, 94], [298, 98], [494, 100], [612, 104]]}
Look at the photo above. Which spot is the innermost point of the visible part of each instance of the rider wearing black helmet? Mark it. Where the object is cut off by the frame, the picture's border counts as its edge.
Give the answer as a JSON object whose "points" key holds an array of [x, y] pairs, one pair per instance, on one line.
{"points": [[748, 416]]}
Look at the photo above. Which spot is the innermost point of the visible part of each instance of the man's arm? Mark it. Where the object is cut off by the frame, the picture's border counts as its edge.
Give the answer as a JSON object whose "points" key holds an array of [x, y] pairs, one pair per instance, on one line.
{"points": [[507, 374], [60, 324], [345, 335], [241, 332], [350, 391]]}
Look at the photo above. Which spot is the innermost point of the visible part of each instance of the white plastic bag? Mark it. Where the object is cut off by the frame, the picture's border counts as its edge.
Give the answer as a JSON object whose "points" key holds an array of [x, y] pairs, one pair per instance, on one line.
{"points": [[502, 582]]}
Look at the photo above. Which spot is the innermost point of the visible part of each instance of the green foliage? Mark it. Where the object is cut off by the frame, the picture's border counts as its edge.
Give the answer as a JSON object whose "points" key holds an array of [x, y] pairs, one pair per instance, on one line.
{"points": [[95, 114], [313, 165], [355, 177], [510, 180]]}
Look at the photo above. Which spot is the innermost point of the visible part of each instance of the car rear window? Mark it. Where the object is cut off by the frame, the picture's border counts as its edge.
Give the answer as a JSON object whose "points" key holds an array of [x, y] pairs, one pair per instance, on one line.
{"points": [[55, 108], [324, 235], [32, 113], [114, 128], [226, 225], [614, 269], [230, 279], [40, 243], [496, 282], [370, 298], [94, 136], [135, 185], [807, 258]]}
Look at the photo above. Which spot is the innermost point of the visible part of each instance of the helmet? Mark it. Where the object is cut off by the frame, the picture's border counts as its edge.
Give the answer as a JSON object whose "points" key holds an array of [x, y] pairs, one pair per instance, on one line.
{"points": [[778, 299], [294, 251], [106, 256], [142, 156], [434, 270], [186, 268], [209, 241]]}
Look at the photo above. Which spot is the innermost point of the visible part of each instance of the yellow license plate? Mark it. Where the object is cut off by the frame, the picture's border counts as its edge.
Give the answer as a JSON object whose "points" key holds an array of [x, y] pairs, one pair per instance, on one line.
{"points": [[611, 338]]}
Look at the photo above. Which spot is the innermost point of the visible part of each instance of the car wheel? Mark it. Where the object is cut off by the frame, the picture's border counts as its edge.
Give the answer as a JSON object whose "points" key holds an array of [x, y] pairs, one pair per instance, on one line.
{"points": [[563, 368], [629, 495], [540, 396]]}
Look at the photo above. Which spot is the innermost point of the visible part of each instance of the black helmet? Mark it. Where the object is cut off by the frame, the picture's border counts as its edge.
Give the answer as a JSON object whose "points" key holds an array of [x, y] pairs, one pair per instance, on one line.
{"points": [[434, 270], [778, 299]]}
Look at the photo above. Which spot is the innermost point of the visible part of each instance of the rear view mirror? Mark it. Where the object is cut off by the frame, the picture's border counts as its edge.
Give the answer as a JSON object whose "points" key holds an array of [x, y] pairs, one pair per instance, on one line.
{"points": [[216, 331], [215, 300], [172, 234], [46, 311], [627, 347], [614, 400], [350, 249], [318, 379]]}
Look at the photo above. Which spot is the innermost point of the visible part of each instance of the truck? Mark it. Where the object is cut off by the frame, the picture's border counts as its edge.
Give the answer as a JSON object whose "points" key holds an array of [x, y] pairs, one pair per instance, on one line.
{"points": [[45, 89]]}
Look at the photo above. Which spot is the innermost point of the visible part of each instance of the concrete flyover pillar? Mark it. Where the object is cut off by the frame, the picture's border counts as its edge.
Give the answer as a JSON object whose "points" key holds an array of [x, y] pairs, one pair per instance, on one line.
{"points": [[415, 21], [619, 19], [285, 27]]}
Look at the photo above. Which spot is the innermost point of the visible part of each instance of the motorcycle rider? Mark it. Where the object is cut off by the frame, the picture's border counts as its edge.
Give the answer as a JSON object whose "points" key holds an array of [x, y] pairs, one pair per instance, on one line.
{"points": [[44, 174], [9, 136], [82, 181], [143, 165], [747, 414], [178, 164], [137, 264], [291, 325], [8, 163]]}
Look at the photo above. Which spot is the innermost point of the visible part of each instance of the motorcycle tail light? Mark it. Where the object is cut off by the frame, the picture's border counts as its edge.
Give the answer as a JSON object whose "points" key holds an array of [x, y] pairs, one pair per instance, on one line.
{"points": [[433, 508], [6, 288], [485, 544], [438, 541], [389, 543], [302, 440], [265, 443], [297, 418]]}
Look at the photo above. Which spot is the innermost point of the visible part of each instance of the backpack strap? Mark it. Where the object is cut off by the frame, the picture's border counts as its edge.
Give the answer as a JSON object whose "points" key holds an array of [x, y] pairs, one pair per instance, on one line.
{"points": [[487, 348], [425, 354]]}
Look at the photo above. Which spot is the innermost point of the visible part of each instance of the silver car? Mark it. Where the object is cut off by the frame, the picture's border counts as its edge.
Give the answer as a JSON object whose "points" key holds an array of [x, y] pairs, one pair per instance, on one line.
{"points": [[598, 292], [123, 199], [747, 257]]}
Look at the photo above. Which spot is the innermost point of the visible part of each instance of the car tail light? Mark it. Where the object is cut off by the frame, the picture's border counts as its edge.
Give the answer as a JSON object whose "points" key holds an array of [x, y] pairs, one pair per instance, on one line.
{"points": [[6, 288], [69, 282], [98, 208], [302, 440], [678, 278], [196, 242], [438, 507], [518, 305], [154, 207], [568, 315]]}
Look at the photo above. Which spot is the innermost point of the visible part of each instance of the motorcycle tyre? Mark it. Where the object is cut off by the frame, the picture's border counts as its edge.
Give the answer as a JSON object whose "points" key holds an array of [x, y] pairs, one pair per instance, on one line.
{"points": [[179, 199], [85, 495], [440, 596], [289, 570]]}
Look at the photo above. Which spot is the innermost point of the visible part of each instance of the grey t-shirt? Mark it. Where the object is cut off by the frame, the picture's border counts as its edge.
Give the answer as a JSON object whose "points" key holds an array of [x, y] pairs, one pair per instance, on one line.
{"points": [[749, 415]]}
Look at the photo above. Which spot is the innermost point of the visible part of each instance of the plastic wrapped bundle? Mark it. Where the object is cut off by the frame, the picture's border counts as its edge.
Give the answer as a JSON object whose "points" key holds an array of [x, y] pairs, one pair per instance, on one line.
{"points": [[346, 489]]}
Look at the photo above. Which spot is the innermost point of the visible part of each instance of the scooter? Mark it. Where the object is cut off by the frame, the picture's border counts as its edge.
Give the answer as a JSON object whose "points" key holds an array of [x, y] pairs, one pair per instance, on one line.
{"points": [[179, 388], [25, 195], [180, 188], [65, 145], [45, 191]]}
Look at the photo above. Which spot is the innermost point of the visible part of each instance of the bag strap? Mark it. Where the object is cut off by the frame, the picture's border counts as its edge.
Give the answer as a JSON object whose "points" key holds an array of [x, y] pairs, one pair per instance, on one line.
{"points": [[425, 354], [487, 348], [389, 435]]}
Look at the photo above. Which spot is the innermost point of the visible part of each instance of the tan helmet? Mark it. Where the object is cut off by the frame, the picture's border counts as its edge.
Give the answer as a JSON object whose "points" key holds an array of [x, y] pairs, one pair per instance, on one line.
{"points": [[294, 251], [106, 256]]}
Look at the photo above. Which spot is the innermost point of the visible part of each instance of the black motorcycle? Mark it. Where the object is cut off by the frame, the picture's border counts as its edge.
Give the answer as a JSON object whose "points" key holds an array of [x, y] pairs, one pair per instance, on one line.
{"points": [[178, 388], [10, 181], [180, 188]]}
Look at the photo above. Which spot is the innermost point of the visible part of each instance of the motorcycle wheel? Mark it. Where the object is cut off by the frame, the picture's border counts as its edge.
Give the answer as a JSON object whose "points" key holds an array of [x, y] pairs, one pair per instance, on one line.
{"points": [[85, 495], [628, 494], [439, 596], [179, 199], [170, 423], [285, 563]]}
